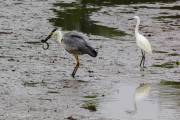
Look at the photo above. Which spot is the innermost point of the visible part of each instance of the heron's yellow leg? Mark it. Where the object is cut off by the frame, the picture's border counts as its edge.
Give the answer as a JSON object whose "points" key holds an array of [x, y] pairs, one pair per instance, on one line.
{"points": [[77, 65]]}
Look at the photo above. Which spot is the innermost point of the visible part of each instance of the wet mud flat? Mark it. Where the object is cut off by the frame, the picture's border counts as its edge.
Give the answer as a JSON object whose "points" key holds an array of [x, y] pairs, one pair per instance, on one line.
{"points": [[36, 83]]}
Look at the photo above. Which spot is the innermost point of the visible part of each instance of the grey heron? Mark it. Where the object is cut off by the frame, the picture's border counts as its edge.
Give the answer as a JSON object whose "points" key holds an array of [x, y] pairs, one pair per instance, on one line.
{"points": [[74, 43]]}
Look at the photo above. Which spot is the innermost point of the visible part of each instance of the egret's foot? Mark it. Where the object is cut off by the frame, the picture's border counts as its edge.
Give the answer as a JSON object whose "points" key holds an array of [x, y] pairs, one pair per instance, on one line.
{"points": [[142, 69], [141, 84], [132, 112]]}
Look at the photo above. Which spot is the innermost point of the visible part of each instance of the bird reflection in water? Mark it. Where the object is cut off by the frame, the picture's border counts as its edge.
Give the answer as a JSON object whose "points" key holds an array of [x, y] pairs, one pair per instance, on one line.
{"points": [[141, 92]]}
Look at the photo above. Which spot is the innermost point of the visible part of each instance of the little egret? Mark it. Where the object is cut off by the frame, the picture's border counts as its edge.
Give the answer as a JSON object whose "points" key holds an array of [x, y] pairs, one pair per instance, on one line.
{"points": [[142, 42], [74, 43]]}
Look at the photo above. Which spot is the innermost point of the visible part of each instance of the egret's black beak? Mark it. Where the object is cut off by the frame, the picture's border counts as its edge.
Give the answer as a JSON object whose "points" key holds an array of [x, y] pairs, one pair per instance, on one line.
{"points": [[49, 36], [130, 18]]}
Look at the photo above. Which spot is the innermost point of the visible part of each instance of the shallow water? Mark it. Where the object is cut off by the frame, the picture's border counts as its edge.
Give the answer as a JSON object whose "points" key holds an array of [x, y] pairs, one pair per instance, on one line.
{"points": [[36, 83]]}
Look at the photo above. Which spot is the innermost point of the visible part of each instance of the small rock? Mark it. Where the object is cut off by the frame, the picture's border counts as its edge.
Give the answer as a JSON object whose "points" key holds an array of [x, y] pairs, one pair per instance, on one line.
{"points": [[90, 71], [71, 118]]}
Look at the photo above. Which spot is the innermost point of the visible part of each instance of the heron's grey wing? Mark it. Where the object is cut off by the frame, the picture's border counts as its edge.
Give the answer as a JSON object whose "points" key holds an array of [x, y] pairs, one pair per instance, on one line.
{"points": [[76, 43]]}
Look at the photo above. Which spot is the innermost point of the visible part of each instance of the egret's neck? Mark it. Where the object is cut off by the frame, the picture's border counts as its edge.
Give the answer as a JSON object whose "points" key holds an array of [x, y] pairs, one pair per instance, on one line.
{"points": [[137, 26], [59, 36]]}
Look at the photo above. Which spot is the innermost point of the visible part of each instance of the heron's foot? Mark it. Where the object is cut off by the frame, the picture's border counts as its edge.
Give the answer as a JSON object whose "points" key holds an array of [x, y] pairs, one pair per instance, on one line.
{"points": [[73, 75]]}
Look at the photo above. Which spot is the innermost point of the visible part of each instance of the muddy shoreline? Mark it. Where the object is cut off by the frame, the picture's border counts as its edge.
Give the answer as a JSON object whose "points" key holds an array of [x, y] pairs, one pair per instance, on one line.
{"points": [[36, 83]]}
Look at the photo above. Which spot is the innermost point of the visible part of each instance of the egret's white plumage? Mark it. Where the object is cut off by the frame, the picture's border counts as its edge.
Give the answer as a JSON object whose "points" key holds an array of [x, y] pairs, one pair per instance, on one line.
{"points": [[142, 41]]}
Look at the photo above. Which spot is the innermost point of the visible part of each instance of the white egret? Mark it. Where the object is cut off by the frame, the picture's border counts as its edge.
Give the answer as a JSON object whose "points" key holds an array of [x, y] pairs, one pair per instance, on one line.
{"points": [[142, 43]]}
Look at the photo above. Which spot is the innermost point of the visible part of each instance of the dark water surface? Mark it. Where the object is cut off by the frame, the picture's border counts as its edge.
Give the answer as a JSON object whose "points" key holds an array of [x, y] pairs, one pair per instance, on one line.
{"points": [[35, 84]]}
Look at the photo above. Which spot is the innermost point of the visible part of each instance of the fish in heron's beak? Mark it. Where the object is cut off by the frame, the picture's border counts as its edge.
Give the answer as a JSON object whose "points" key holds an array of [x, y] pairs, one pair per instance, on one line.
{"points": [[49, 36], [44, 41]]}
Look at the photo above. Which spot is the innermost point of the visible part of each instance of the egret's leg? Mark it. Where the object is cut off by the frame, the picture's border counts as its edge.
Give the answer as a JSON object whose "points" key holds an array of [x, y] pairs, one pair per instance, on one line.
{"points": [[144, 60], [141, 58], [77, 65]]}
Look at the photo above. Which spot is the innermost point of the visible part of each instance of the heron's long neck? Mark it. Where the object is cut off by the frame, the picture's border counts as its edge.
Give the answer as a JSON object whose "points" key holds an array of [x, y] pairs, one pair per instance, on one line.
{"points": [[59, 37], [137, 26]]}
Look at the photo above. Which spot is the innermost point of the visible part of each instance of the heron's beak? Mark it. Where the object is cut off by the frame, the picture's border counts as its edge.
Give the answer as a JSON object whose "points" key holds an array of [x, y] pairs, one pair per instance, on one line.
{"points": [[49, 36]]}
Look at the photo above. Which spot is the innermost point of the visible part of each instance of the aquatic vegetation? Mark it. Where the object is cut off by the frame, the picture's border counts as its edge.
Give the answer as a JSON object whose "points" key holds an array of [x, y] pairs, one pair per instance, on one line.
{"points": [[159, 51], [170, 17], [171, 8], [174, 84], [173, 54], [90, 105], [33, 84], [116, 2], [76, 16], [90, 102], [166, 82], [171, 64], [90, 96], [30, 84]]}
